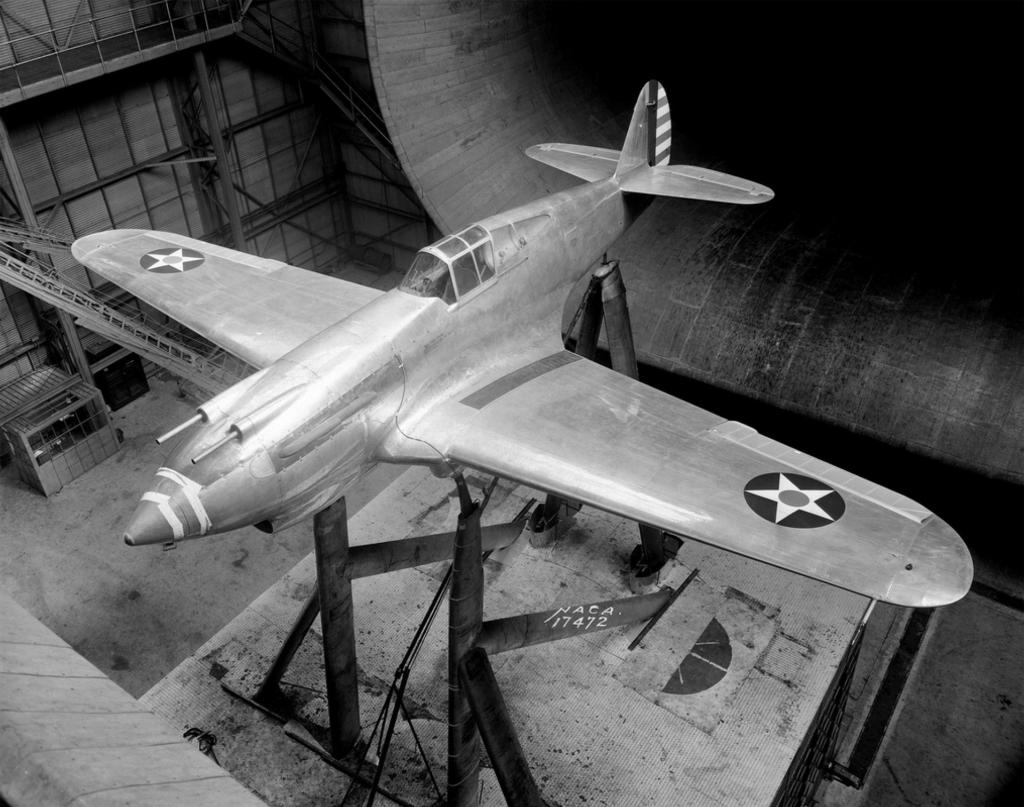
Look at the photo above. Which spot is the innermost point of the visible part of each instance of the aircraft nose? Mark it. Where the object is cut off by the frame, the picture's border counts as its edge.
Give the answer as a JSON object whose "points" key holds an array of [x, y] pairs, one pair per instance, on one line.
{"points": [[153, 522], [171, 510]]}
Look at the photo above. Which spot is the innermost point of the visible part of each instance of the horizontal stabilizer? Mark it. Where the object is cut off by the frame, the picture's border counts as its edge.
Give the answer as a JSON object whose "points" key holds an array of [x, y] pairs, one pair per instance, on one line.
{"points": [[691, 182], [586, 162]]}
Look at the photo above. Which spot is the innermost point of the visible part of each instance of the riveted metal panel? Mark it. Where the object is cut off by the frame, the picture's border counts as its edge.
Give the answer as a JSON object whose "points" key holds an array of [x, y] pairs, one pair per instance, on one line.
{"points": [[269, 91], [238, 97], [88, 213], [33, 162], [108, 146], [66, 145], [125, 201], [163, 201], [165, 113], [110, 17], [251, 154], [143, 124], [28, 27]]}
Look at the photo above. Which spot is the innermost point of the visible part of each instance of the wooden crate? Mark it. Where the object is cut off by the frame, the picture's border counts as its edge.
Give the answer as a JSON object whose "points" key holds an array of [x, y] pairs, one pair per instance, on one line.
{"points": [[57, 428]]}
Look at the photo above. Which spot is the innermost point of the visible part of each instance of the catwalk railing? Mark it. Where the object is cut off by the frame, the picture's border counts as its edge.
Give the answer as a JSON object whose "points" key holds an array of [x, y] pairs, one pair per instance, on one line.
{"points": [[36, 58], [288, 42]]}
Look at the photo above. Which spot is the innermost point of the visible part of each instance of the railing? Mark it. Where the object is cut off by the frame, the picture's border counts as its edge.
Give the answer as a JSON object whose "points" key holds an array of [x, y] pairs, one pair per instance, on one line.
{"points": [[359, 111], [37, 239], [185, 354], [31, 55], [290, 43]]}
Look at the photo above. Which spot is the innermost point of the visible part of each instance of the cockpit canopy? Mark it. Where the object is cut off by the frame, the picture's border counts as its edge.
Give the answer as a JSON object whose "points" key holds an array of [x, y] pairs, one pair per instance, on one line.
{"points": [[452, 267]]}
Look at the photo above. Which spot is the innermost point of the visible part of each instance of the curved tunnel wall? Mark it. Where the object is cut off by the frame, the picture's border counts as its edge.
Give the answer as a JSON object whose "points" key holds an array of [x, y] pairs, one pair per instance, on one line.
{"points": [[771, 302]]}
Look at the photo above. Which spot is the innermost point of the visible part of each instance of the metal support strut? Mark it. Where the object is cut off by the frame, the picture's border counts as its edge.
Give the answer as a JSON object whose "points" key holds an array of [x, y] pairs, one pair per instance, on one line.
{"points": [[465, 617], [334, 586], [605, 301], [332, 598]]}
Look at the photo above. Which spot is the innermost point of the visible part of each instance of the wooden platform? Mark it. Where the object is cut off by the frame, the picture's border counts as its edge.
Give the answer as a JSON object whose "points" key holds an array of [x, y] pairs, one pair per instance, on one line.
{"points": [[600, 724], [69, 736]]}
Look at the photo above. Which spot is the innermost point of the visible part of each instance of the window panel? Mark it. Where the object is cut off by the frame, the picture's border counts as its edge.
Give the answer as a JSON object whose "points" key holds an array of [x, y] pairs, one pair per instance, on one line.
{"points": [[429, 277], [484, 255], [464, 271]]}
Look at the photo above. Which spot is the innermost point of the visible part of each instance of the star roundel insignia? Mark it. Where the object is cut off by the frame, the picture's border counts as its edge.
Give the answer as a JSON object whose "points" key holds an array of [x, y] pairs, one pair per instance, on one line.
{"points": [[171, 260], [794, 500]]}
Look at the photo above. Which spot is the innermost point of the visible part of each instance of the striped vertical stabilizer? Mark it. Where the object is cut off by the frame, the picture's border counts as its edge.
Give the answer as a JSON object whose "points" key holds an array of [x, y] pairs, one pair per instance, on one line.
{"points": [[659, 136], [648, 141]]}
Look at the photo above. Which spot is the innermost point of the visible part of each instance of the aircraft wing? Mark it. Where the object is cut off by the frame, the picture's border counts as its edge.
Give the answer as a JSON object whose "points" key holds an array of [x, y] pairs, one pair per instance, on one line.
{"points": [[258, 309], [575, 428]]}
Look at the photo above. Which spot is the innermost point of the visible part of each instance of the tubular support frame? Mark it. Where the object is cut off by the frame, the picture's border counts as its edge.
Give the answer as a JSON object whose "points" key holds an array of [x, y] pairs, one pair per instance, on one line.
{"points": [[499, 735], [334, 586], [513, 632], [465, 616], [364, 561]]}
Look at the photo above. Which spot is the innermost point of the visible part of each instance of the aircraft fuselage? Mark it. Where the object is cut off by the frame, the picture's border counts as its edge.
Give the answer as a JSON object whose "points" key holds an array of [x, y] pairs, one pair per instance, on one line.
{"points": [[289, 440]]}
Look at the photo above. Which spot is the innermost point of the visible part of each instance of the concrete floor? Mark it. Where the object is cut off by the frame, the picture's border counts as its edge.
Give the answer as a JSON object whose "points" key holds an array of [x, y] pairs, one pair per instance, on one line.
{"points": [[136, 612], [957, 737]]}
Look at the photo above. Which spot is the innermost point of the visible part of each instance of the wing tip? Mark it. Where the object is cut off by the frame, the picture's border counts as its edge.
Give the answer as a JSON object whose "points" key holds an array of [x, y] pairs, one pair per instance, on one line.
{"points": [[938, 569], [84, 246]]}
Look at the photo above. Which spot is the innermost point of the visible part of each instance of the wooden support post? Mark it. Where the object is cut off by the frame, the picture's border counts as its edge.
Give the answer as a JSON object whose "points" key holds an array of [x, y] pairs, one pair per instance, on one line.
{"points": [[330, 532], [465, 616], [477, 680]]}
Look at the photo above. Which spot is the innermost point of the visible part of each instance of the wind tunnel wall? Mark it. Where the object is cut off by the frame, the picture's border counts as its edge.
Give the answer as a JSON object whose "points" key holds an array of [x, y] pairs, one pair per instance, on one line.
{"points": [[765, 302]]}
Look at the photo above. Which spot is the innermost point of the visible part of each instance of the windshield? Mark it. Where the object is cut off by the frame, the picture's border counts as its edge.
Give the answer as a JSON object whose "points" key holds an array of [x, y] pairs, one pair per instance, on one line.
{"points": [[428, 277], [470, 257]]}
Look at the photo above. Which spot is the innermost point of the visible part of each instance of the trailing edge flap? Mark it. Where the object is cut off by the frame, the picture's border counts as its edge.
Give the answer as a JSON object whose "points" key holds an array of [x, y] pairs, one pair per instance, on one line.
{"points": [[256, 308], [586, 162], [691, 182], [577, 429]]}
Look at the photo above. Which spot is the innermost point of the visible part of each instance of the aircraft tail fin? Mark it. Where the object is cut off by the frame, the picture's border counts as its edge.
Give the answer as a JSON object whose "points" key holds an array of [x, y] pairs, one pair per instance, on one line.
{"points": [[649, 137], [642, 166]]}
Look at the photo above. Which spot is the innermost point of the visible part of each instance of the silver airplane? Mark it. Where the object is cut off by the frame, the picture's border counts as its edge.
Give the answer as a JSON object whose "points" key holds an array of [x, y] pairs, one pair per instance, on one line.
{"points": [[463, 365]]}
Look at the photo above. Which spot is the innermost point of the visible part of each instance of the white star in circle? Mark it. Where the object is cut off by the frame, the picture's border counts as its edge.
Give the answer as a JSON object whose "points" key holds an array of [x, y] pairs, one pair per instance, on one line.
{"points": [[790, 499], [176, 260]]}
